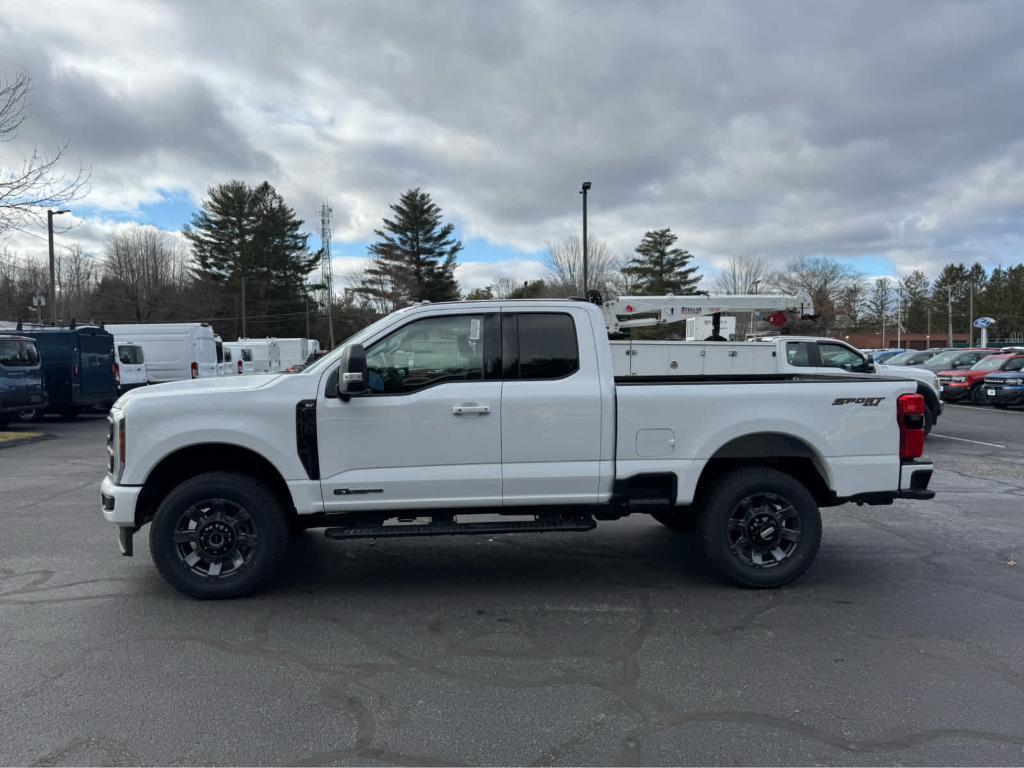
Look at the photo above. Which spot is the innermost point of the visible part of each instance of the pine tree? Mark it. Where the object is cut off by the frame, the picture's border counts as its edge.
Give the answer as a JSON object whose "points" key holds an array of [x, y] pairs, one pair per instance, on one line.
{"points": [[414, 259], [245, 233], [661, 268], [914, 298]]}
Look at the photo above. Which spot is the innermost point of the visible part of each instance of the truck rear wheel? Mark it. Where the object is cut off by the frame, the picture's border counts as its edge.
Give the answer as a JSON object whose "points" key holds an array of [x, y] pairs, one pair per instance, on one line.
{"points": [[218, 535], [760, 527]]}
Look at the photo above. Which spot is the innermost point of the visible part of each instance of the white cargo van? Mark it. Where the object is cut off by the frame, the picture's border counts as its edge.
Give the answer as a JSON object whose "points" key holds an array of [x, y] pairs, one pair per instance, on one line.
{"points": [[293, 352], [265, 354], [173, 351], [130, 360], [242, 354]]}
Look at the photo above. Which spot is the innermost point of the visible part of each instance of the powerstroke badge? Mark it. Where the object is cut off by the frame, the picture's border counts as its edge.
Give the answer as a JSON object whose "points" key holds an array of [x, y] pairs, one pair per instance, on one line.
{"points": [[867, 402]]}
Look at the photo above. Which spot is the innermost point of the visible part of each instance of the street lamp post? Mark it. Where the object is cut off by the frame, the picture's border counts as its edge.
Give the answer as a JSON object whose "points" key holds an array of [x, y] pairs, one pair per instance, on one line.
{"points": [[583, 191], [53, 271]]}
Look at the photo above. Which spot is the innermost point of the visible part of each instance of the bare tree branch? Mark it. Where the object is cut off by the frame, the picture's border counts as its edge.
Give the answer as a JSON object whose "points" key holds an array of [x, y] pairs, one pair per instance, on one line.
{"points": [[744, 274], [564, 260], [26, 191]]}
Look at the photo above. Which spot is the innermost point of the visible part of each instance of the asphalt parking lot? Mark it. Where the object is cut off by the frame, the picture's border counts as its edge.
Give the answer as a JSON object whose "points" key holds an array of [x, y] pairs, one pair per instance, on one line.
{"points": [[904, 643]]}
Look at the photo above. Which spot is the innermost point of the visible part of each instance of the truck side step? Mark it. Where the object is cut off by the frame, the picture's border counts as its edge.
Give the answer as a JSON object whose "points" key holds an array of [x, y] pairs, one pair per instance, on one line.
{"points": [[451, 528]]}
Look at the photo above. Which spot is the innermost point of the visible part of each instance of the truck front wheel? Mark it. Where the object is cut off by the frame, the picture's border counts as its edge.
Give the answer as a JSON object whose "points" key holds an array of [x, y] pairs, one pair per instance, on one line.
{"points": [[760, 527], [218, 535]]}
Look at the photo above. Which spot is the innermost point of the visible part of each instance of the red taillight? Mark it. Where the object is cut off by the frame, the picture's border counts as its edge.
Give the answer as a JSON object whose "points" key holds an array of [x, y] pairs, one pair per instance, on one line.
{"points": [[910, 417], [117, 374], [195, 370], [239, 366]]}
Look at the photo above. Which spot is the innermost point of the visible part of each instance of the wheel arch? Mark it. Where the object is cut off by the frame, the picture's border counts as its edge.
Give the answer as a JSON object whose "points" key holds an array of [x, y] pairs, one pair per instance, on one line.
{"points": [[197, 459], [776, 450]]}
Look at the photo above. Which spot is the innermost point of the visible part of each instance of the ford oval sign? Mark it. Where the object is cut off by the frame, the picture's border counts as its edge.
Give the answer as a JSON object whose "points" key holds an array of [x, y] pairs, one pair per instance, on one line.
{"points": [[984, 322]]}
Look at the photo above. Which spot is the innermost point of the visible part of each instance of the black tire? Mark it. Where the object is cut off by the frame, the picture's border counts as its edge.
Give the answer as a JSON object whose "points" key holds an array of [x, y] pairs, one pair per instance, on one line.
{"points": [[929, 420], [747, 504], [5, 419], [34, 415], [230, 514], [679, 520], [1000, 406], [978, 396]]}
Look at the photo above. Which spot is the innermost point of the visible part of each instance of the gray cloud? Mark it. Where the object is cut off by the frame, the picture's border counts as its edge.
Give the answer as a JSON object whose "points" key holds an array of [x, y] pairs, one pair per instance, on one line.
{"points": [[785, 128]]}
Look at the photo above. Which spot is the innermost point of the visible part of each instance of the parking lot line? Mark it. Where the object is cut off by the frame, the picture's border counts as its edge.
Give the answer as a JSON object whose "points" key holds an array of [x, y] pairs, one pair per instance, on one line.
{"points": [[965, 440]]}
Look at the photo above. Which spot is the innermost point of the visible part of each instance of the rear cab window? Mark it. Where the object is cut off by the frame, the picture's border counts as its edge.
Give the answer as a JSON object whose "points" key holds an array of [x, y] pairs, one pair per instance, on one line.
{"points": [[539, 345], [130, 354], [10, 352]]}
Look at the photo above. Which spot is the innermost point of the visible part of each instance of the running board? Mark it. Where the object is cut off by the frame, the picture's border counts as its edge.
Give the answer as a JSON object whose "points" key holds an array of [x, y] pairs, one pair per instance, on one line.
{"points": [[451, 528]]}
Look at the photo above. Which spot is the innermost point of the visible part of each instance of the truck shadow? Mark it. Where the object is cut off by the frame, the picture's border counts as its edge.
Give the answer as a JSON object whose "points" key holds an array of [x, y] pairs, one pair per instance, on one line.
{"points": [[646, 556]]}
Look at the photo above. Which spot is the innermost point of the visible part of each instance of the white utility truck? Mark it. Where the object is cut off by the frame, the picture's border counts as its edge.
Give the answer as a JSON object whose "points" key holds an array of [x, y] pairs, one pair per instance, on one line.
{"points": [[779, 354], [440, 413], [173, 351]]}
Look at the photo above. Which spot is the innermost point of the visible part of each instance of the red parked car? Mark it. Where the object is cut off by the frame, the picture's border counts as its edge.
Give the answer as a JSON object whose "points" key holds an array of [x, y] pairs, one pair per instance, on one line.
{"points": [[966, 384]]}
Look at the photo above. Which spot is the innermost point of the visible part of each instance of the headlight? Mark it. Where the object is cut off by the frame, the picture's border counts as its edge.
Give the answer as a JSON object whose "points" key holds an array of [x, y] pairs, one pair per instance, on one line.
{"points": [[960, 379], [117, 444], [1013, 382]]}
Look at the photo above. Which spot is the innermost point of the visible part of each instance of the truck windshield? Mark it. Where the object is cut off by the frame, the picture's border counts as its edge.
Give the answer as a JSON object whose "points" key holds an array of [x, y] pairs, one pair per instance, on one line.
{"points": [[988, 364], [130, 354], [910, 358], [945, 358]]}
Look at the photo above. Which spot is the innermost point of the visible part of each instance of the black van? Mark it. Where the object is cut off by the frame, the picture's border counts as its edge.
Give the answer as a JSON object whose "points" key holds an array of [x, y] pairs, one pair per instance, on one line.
{"points": [[21, 378], [78, 367]]}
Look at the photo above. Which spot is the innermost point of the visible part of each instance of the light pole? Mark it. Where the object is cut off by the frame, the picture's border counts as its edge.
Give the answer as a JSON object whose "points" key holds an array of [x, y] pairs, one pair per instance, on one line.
{"points": [[949, 313], [583, 191], [53, 271]]}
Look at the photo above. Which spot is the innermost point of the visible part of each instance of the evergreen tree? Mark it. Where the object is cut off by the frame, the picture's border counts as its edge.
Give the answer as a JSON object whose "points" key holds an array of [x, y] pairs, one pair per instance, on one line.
{"points": [[249, 234], [414, 259], [880, 303], [661, 268], [915, 289]]}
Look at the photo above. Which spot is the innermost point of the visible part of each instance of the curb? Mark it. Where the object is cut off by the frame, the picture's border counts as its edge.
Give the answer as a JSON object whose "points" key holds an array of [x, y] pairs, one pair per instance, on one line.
{"points": [[11, 439]]}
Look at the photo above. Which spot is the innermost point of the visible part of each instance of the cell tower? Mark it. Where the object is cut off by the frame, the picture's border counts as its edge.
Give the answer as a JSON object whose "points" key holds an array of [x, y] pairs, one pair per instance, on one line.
{"points": [[326, 269]]}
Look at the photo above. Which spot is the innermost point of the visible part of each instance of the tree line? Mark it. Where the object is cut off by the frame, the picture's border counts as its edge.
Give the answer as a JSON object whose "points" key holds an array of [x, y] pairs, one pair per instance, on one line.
{"points": [[848, 302]]}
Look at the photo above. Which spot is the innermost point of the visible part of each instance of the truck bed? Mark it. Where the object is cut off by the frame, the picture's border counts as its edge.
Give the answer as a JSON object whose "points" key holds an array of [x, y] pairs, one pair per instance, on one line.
{"points": [[844, 424]]}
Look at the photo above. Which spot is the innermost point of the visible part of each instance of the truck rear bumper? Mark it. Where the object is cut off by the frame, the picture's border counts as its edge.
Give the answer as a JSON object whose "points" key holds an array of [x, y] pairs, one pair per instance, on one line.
{"points": [[914, 479]]}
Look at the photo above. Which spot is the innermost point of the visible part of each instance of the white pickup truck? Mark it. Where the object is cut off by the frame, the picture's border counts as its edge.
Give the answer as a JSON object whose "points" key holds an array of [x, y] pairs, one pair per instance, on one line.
{"points": [[440, 413]]}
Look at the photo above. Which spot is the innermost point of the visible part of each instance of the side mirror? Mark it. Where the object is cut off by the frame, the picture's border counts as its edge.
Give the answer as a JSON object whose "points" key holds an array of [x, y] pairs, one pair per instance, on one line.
{"points": [[869, 363], [352, 374]]}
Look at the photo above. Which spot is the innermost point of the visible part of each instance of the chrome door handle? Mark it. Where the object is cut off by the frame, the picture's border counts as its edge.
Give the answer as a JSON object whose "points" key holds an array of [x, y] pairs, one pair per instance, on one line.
{"points": [[460, 410]]}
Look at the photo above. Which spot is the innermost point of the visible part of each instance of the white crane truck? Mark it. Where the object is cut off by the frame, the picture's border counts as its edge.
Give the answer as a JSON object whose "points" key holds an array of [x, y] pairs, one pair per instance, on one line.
{"points": [[440, 413]]}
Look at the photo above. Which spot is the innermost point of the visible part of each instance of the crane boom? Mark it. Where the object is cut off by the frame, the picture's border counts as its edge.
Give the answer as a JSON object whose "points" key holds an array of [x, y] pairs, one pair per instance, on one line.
{"points": [[640, 311]]}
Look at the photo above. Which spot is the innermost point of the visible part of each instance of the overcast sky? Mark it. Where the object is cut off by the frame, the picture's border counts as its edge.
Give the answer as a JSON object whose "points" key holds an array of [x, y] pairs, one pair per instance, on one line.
{"points": [[888, 134]]}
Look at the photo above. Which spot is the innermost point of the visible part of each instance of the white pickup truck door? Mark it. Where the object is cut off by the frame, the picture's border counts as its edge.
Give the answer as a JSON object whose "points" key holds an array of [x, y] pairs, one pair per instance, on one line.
{"points": [[551, 408], [428, 433]]}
